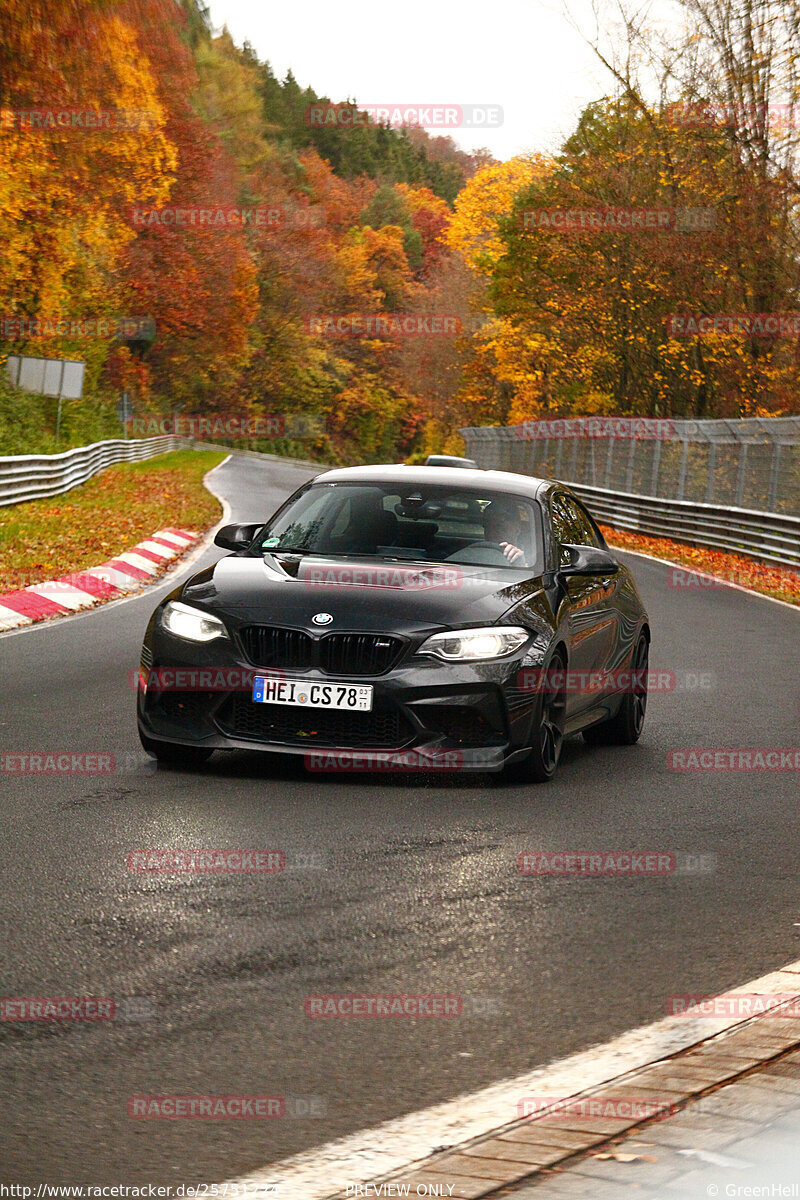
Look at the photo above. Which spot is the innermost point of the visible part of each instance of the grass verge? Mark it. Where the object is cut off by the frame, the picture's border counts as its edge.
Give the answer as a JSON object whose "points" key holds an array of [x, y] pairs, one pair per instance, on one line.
{"points": [[123, 505], [782, 583]]}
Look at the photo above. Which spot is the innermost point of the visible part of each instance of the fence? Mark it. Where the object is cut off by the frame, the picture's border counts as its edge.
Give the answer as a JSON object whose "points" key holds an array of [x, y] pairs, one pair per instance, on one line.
{"points": [[35, 476], [730, 485], [753, 463], [766, 536]]}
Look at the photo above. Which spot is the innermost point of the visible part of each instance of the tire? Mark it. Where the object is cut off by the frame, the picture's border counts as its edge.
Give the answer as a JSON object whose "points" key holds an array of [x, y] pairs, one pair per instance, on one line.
{"points": [[548, 732], [169, 754], [625, 728]]}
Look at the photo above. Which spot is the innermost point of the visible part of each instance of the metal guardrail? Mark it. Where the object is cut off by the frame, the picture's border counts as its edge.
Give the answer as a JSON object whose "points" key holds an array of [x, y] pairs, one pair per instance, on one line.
{"points": [[752, 463], [769, 537], [663, 479], [36, 476]]}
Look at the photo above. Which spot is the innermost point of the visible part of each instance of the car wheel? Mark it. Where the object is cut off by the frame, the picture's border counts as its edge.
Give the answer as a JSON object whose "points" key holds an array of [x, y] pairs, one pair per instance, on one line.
{"points": [[172, 755], [626, 727], [548, 729]]}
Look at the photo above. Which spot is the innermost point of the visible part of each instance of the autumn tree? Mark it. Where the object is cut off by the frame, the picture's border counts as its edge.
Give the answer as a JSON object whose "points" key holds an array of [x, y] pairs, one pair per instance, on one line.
{"points": [[83, 138]]}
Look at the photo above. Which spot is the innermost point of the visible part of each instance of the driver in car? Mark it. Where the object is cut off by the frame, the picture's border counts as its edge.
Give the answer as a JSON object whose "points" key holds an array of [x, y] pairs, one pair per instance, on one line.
{"points": [[502, 524]]}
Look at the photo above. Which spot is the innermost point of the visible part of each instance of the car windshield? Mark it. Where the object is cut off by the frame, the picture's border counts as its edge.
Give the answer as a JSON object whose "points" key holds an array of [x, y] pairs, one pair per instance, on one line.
{"points": [[419, 522]]}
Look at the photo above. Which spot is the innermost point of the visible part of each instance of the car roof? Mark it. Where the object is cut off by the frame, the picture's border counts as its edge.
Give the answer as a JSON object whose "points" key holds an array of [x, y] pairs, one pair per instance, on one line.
{"points": [[502, 482]]}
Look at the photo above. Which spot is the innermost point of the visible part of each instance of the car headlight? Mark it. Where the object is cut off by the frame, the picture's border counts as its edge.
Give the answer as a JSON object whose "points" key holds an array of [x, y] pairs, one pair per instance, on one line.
{"points": [[191, 623], [470, 645]]}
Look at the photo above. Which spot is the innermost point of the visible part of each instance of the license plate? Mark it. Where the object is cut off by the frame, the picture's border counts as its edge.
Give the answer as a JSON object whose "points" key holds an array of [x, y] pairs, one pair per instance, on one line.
{"points": [[354, 696]]}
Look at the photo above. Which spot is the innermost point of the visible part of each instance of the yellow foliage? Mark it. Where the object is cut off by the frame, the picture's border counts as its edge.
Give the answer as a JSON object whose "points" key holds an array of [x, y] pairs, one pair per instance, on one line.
{"points": [[487, 198], [66, 193]]}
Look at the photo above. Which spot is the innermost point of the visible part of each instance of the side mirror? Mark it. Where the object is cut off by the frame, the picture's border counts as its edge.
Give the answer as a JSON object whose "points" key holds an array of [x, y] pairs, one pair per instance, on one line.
{"points": [[588, 560], [236, 537]]}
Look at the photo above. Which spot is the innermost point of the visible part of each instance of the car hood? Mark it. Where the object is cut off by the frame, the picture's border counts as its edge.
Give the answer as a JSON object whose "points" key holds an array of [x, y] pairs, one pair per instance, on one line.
{"points": [[359, 594]]}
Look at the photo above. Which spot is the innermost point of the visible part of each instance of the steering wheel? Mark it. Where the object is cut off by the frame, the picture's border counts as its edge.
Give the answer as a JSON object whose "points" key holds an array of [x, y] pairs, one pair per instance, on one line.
{"points": [[468, 554]]}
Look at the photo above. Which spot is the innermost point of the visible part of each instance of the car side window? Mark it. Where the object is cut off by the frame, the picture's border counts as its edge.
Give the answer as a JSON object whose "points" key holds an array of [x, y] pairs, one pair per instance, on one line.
{"points": [[588, 534], [565, 528]]}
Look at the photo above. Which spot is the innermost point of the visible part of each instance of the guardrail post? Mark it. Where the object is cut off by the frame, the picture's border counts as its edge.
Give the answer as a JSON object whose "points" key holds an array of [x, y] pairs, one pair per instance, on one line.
{"points": [[772, 502], [712, 466], [740, 478], [684, 462], [559, 455]]}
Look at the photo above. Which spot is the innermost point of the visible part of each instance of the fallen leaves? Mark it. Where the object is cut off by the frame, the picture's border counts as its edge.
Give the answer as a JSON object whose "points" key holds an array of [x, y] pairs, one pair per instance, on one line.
{"points": [[100, 519], [783, 583]]}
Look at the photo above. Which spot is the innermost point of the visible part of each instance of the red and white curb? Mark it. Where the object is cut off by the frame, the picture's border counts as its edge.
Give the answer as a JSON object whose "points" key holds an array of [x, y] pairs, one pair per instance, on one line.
{"points": [[127, 572]]}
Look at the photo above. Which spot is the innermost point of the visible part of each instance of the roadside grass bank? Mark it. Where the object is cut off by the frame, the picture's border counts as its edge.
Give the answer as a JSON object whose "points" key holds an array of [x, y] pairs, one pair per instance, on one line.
{"points": [[28, 421], [123, 505], [781, 583]]}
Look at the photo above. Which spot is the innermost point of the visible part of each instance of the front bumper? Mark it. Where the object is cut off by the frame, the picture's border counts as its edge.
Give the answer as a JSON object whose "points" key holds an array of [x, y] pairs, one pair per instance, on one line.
{"points": [[426, 713]]}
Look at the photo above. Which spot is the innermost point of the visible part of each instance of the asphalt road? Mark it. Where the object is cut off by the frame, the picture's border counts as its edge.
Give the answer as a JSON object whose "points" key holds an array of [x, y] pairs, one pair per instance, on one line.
{"points": [[418, 892]]}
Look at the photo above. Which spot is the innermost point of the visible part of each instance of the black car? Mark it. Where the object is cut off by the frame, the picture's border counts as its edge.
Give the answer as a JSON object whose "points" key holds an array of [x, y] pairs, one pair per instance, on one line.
{"points": [[422, 616]]}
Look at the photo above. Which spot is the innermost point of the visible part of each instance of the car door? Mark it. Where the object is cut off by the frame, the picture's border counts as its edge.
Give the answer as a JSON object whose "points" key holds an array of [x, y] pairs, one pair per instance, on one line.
{"points": [[589, 599]]}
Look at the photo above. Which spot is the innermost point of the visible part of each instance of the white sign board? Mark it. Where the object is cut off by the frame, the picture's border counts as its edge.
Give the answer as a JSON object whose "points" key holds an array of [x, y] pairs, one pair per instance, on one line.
{"points": [[49, 376]]}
